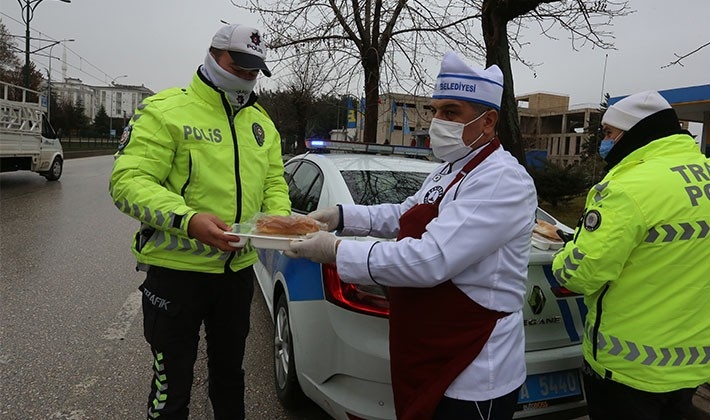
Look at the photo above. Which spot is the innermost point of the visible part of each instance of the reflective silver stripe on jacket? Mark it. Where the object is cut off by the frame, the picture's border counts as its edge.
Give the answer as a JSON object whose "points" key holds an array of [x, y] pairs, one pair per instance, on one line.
{"points": [[563, 274], [182, 244], [648, 355], [678, 231], [156, 218], [599, 188]]}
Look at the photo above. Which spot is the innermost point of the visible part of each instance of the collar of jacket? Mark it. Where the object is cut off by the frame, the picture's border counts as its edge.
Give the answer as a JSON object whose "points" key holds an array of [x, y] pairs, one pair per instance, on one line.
{"points": [[655, 126], [204, 88], [673, 144]]}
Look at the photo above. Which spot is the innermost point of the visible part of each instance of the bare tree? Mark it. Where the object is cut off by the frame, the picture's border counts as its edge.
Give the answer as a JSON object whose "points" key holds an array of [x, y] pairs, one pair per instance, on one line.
{"points": [[306, 80], [390, 43], [358, 38], [503, 21]]}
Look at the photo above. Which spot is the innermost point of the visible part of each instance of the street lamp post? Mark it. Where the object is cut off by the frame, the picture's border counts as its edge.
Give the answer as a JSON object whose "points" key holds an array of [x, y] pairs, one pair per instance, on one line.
{"points": [[110, 115], [28, 10], [49, 78]]}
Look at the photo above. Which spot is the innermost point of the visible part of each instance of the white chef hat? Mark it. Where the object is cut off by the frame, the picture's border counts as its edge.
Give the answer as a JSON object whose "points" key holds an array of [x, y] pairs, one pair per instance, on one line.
{"points": [[632, 109], [458, 80]]}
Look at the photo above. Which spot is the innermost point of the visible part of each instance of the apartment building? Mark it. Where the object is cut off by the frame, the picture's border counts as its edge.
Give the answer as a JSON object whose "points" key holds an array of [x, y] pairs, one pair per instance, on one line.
{"points": [[118, 100], [550, 129]]}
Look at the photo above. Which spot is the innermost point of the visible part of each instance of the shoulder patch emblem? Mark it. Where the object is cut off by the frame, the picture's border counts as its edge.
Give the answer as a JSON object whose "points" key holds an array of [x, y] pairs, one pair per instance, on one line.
{"points": [[125, 138], [258, 133], [592, 220], [433, 194]]}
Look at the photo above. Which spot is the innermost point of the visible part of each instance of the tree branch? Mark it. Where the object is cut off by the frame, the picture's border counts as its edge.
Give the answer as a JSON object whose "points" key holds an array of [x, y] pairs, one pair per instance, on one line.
{"points": [[682, 57]]}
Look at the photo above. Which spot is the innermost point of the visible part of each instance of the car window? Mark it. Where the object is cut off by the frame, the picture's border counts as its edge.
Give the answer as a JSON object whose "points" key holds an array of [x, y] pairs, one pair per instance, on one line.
{"points": [[377, 187], [305, 188], [289, 169]]}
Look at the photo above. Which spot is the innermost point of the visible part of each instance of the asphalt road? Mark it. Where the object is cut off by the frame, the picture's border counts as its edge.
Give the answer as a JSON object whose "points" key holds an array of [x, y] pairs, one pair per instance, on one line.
{"points": [[71, 343]]}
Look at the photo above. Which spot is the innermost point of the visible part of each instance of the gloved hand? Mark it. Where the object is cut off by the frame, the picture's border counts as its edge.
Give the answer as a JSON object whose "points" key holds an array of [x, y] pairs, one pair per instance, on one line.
{"points": [[320, 247], [329, 216], [566, 237]]}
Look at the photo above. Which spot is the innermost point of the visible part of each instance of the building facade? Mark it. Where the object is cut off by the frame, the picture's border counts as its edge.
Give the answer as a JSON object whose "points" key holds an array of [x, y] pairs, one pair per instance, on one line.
{"points": [[404, 119], [552, 130], [119, 101]]}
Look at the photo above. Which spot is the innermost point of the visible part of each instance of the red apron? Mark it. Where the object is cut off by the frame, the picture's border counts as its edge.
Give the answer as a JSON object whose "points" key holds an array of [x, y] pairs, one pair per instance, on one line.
{"points": [[435, 333]]}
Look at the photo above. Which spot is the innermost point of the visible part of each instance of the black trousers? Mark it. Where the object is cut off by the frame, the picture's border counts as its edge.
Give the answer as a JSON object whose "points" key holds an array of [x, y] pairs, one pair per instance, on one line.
{"points": [[175, 304], [610, 400], [501, 408]]}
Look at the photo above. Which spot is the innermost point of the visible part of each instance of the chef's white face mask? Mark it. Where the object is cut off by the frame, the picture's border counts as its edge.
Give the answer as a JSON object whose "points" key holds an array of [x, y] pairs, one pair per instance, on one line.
{"points": [[447, 138], [236, 88]]}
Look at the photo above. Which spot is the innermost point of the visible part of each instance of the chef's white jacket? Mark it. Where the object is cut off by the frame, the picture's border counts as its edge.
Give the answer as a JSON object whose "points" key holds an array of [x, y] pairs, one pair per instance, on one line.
{"points": [[480, 240]]}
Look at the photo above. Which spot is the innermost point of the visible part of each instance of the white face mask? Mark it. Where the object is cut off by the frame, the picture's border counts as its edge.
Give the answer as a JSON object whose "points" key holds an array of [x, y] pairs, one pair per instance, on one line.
{"points": [[447, 139], [236, 88]]}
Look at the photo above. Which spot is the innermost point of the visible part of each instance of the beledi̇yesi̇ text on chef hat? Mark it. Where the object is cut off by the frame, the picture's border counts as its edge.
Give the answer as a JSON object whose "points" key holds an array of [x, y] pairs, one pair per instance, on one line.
{"points": [[460, 81]]}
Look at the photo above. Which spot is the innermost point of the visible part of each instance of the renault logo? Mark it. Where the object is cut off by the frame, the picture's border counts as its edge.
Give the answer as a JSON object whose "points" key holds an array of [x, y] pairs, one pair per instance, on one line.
{"points": [[536, 300]]}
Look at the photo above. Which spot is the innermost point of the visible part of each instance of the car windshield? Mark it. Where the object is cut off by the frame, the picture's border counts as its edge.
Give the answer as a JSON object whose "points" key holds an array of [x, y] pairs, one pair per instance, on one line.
{"points": [[377, 187]]}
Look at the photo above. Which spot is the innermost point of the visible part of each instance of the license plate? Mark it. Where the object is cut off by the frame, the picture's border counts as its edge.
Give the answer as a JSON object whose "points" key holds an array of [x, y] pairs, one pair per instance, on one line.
{"points": [[548, 386]]}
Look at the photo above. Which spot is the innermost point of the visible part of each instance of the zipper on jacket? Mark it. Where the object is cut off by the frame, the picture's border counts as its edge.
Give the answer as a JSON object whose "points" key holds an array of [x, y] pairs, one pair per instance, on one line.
{"points": [[231, 115], [189, 175], [597, 322]]}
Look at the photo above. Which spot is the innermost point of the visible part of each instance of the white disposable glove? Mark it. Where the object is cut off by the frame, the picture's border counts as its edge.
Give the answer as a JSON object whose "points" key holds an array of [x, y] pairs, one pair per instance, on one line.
{"points": [[329, 216], [320, 247]]}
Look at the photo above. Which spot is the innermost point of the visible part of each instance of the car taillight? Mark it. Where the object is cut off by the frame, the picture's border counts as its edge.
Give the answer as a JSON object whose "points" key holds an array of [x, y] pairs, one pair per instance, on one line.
{"points": [[365, 299], [562, 292]]}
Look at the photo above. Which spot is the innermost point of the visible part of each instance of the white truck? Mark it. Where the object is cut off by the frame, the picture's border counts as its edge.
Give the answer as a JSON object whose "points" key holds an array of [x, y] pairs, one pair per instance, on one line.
{"points": [[27, 140]]}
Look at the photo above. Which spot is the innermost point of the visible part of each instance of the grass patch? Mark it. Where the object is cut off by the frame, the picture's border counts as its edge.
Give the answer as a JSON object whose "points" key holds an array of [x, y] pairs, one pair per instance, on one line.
{"points": [[567, 213]]}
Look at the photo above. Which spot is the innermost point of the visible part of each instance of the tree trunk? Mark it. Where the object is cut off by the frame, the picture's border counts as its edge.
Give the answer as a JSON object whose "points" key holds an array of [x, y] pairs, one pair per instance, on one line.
{"points": [[494, 24], [371, 65], [303, 109]]}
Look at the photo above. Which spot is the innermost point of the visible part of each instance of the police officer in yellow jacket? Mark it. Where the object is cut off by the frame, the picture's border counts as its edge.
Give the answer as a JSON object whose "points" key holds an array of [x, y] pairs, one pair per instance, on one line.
{"points": [[641, 257], [192, 162]]}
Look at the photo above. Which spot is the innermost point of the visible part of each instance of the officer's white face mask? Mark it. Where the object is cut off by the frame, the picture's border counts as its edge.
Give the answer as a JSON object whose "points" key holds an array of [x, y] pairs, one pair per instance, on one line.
{"points": [[447, 138], [236, 88]]}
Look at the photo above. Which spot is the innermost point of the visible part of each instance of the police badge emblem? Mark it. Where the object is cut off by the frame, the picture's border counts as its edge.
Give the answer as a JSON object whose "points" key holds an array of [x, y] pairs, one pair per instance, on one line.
{"points": [[592, 220], [258, 133], [125, 138]]}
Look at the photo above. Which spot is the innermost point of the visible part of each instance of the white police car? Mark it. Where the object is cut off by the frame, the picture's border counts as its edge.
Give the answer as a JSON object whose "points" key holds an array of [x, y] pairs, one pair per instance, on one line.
{"points": [[331, 338]]}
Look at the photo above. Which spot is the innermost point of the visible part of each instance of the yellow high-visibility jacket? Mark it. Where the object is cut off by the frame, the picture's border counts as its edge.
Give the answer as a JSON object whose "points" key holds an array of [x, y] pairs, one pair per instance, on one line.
{"points": [[641, 256], [187, 151]]}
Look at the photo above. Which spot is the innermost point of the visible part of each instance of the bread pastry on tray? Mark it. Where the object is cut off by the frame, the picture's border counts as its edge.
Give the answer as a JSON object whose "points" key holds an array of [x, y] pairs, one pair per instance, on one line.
{"points": [[547, 231], [286, 225]]}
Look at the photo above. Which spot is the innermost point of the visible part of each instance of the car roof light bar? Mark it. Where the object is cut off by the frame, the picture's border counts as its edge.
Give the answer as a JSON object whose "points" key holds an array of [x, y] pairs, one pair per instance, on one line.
{"points": [[326, 146]]}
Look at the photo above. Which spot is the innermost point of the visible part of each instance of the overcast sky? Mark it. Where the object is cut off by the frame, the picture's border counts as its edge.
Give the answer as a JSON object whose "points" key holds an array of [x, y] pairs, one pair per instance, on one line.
{"points": [[160, 43]]}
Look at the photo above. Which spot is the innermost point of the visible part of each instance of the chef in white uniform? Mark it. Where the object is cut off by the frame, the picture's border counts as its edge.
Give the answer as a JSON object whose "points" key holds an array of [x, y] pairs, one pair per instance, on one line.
{"points": [[456, 274]]}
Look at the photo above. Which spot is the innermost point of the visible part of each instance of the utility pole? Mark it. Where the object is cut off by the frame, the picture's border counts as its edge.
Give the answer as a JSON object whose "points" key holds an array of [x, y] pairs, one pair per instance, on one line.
{"points": [[28, 10], [606, 58]]}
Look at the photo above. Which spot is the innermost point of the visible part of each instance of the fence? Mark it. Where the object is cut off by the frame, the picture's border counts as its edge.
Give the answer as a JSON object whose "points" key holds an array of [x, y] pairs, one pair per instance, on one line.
{"points": [[89, 143]]}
